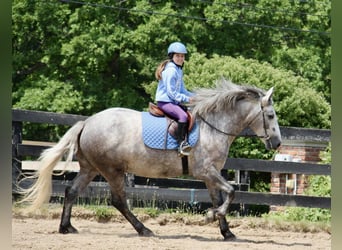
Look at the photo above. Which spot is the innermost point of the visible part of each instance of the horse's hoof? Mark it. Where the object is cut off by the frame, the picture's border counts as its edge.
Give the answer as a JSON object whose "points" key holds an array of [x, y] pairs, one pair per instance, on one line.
{"points": [[67, 229], [146, 233], [229, 237]]}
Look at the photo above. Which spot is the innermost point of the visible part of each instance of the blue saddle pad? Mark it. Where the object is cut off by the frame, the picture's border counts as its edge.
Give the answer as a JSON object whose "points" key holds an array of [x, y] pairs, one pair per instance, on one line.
{"points": [[154, 131]]}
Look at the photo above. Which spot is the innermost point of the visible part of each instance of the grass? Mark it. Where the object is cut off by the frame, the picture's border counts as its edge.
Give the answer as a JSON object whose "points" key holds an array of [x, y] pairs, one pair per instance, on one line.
{"points": [[300, 219], [105, 214]]}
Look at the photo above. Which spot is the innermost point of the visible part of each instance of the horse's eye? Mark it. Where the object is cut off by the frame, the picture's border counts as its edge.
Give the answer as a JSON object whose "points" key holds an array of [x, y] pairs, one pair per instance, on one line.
{"points": [[270, 116]]}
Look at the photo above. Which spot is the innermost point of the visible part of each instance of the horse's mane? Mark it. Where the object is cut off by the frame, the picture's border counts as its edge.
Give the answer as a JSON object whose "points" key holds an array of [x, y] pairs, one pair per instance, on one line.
{"points": [[224, 96]]}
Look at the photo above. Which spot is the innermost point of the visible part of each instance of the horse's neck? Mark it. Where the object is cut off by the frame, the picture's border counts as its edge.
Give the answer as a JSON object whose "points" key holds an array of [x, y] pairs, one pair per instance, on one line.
{"points": [[229, 123], [233, 122]]}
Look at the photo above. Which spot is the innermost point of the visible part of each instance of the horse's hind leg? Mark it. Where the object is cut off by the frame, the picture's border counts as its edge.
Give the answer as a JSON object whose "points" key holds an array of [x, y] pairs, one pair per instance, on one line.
{"points": [[119, 201], [83, 178]]}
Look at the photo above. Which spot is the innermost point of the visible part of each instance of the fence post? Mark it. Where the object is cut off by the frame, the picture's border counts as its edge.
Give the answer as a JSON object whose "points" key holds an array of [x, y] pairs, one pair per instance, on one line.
{"points": [[16, 158]]}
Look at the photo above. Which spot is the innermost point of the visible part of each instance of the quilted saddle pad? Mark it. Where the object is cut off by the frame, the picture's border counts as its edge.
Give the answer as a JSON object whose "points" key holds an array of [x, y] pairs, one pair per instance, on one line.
{"points": [[155, 134]]}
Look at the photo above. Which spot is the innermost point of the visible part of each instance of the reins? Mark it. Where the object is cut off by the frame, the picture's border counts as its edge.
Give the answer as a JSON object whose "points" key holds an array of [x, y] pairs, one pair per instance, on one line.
{"points": [[266, 136]]}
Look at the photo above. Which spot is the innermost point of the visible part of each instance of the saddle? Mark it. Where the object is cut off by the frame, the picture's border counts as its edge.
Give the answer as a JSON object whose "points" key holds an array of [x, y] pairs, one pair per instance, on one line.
{"points": [[154, 110]]}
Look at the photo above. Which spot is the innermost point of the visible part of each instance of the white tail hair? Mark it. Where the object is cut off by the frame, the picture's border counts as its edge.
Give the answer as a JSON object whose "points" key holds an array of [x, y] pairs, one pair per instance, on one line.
{"points": [[40, 192]]}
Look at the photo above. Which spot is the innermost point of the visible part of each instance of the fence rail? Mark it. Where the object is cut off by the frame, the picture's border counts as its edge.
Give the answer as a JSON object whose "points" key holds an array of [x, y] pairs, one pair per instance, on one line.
{"points": [[176, 189]]}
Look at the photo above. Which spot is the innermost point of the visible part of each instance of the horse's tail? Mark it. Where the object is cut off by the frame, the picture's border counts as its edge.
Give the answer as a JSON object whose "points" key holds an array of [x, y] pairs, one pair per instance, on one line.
{"points": [[40, 192]]}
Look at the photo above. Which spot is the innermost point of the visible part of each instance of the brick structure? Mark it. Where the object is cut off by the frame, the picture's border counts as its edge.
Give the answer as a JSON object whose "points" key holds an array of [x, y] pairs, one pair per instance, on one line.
{"points": [[299, 151]]}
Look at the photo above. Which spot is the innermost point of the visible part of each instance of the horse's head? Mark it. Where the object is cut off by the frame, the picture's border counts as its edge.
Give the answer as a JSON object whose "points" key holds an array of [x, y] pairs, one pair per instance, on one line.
{"points": [[237, 107], [265, 124]]}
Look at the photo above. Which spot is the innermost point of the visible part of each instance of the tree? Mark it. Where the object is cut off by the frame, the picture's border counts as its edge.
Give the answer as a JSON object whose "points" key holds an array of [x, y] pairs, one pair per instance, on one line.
{"points": [[293, 35], [92, 56]]}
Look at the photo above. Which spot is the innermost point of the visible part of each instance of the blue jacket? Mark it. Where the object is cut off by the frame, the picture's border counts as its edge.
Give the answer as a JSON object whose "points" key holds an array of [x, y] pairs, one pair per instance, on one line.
{"points": [[171, 87]]}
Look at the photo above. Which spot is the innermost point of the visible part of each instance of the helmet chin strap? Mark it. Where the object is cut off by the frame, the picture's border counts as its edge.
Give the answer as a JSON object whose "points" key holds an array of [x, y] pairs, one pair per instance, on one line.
{"points": [[181, 66]]}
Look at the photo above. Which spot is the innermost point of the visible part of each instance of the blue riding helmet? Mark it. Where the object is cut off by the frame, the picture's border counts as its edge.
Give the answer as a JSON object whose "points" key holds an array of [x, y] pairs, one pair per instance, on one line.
{"points": [[176, 47]]}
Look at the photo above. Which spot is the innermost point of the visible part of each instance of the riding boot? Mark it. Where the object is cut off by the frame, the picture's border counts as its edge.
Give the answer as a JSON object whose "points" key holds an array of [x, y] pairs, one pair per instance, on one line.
{"points": [[184, 147]]}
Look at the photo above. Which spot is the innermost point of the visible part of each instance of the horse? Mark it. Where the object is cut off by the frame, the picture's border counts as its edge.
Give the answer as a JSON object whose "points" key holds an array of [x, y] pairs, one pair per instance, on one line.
{"points": [[110, 143]]}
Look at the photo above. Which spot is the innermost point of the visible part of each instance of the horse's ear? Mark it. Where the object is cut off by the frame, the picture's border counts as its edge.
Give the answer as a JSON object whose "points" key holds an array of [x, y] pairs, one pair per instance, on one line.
{"points": [[267, 99]]}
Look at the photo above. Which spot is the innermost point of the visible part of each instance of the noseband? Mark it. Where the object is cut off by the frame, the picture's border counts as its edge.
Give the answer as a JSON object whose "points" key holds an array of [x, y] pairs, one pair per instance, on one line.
{"points": [[266, 136]]}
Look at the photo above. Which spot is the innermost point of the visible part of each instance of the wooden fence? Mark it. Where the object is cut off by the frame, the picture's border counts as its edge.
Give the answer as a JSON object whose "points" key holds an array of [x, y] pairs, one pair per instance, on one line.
{"points": [[180, 190]]}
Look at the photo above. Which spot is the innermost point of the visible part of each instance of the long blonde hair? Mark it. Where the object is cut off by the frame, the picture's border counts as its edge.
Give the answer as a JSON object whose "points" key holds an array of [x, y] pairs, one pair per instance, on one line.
{"points": [[160, 68]]}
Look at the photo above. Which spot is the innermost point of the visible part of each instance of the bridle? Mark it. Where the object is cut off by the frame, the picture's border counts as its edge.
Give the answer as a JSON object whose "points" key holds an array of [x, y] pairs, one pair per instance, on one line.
{"points": [[266, 136]]}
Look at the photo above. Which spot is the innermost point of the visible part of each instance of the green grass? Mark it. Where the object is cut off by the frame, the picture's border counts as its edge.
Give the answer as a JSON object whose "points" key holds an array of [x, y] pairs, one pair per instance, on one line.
{"points": [[301, 219]]}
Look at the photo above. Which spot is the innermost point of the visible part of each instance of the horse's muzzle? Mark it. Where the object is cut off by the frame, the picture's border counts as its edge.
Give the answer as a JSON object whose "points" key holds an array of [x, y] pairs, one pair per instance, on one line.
{"points": [[272, 143]]}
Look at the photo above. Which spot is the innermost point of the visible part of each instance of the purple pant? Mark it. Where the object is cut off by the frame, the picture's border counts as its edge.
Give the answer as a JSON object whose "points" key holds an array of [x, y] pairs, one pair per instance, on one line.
{"points": [[174, 111]]}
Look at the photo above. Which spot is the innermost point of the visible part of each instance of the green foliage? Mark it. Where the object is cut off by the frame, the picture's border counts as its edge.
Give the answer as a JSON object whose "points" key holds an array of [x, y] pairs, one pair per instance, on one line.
{"points": [[153, 212], [320, 185], [303, 62], [326, 155], [103, 213], [251, 148], [83, 58], [305, 53], [51, 95], [302, 214], [260, 185]]}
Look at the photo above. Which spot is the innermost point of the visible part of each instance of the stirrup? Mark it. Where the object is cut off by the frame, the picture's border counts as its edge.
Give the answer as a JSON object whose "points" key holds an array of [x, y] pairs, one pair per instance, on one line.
{"points": [[184, 148]]}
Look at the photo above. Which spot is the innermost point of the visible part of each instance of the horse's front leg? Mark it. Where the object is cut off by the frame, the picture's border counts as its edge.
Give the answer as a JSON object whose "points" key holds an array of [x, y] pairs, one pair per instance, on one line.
{"points": [[214, 181], [217, 199]]}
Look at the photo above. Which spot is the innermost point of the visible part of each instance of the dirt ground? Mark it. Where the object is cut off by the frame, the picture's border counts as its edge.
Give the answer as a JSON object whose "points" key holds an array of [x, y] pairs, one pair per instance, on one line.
{"points": [[41, 233]]}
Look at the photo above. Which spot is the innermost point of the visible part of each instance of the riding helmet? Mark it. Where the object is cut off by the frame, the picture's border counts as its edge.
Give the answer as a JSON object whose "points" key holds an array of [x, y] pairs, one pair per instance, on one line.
{"points": [[176, 47]]}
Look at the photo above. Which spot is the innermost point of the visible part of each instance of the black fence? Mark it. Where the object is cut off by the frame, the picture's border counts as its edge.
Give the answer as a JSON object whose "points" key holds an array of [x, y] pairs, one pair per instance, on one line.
{"points": [[173, 189]]}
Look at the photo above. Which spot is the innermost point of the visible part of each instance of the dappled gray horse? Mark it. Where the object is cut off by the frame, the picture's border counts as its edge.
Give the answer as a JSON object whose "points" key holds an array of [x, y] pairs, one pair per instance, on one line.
{"points": [[110, 143]]}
